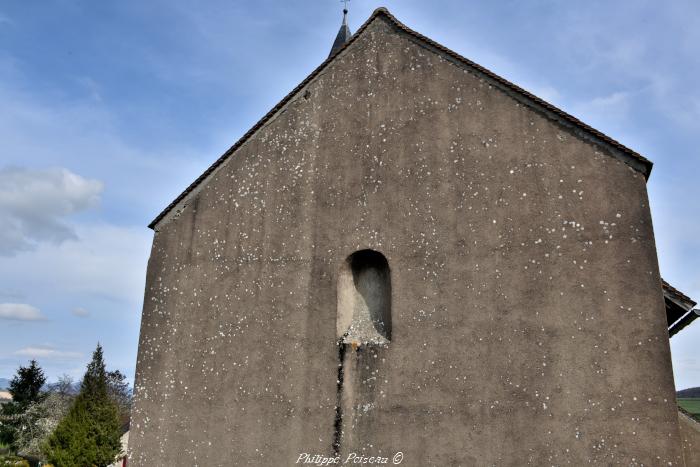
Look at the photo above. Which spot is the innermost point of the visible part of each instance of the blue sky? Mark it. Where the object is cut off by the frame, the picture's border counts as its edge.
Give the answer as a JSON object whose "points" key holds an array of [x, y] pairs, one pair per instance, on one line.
{"points": [[110, 109]]}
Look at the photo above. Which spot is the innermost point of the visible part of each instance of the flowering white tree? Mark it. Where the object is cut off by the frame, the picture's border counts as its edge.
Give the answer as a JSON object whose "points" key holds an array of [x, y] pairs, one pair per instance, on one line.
{"points": [[39, 421]]}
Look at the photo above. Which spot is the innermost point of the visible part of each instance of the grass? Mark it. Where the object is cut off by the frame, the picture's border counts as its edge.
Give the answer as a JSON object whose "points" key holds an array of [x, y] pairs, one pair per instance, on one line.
{"points": [[692, 406]]}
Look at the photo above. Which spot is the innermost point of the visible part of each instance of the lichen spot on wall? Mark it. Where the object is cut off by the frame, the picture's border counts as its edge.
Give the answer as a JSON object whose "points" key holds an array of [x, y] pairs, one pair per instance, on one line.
{"points": [[364, 299]]}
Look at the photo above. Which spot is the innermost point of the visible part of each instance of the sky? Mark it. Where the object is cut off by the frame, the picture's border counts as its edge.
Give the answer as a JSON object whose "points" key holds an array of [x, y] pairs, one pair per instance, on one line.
{"points": [[109, 109]]}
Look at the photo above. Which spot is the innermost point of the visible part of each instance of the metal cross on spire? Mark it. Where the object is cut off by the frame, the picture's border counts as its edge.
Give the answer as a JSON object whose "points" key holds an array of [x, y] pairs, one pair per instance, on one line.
{"points": [[345, 6]]}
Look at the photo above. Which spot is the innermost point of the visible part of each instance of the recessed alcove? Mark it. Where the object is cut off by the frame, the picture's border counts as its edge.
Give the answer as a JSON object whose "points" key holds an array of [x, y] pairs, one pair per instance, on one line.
{"points": [[364, 299]]}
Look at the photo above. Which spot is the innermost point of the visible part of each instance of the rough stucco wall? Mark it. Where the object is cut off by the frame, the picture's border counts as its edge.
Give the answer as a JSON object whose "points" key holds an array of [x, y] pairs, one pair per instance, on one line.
{"points": [[528, 321], [690, 435]]}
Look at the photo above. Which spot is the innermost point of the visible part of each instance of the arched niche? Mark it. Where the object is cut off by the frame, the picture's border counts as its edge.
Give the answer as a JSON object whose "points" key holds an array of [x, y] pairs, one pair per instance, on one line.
{"points": [[364, 299]]}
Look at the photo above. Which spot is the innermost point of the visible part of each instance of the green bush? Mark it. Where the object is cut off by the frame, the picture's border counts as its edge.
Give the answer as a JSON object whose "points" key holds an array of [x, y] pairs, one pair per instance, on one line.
{"points": [[13, 461]]}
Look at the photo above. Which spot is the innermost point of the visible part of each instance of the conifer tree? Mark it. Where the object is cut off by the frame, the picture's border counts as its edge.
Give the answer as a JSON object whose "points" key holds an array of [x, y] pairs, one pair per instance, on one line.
{"points": [[26, 389], [89, 434], [26, 386]]}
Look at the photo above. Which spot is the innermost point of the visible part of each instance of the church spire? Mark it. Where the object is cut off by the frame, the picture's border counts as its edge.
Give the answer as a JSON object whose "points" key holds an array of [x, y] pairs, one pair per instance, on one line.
{"points": [[343, 35]]}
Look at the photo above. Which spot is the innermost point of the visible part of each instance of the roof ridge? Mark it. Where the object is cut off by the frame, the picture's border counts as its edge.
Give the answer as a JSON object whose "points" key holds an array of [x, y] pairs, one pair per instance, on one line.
{"points": [[382, 11], [598, 134]]}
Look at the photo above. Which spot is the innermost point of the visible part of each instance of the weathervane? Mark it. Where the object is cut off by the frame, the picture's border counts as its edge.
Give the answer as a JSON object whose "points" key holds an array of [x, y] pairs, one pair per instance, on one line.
{"points": [[345, 6]]}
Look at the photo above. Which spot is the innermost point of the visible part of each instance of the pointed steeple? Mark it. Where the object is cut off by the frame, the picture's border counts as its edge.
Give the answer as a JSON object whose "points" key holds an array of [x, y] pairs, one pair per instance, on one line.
{"points": [[343, 35]]}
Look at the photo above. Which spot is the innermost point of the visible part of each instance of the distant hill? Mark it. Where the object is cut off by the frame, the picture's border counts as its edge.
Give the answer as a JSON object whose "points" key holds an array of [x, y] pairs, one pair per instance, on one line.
{"points": [[4, 383], [688, 393]]}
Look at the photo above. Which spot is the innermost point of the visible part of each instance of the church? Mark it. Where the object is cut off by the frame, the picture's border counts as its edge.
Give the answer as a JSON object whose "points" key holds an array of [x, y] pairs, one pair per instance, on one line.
{"points": [[410, 259]]}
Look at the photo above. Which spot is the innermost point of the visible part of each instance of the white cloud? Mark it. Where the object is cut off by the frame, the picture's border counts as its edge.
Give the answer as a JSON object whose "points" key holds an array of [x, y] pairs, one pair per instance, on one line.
{"points": [[48, 353], [605, 111], [33, 204], [20, 312], [85, 133], [80, 312], [613, 101], [107, 262], [656, 63]]}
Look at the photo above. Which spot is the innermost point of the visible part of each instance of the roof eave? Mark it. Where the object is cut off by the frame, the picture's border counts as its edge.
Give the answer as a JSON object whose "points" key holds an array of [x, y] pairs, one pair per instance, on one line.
{"points": [[684, 322]]}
